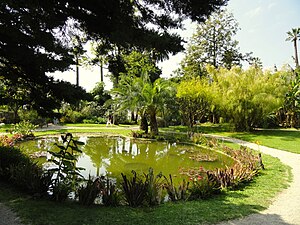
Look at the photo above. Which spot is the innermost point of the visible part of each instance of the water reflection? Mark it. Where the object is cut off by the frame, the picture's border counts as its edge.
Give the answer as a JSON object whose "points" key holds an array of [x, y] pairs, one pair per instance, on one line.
{"points": [[116, 155]]}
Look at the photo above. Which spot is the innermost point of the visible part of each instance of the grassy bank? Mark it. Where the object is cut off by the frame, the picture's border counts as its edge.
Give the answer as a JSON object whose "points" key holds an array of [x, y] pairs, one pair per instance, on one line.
{"points": [[255, 197], [104, 130], [232, 204], [284, 139]]}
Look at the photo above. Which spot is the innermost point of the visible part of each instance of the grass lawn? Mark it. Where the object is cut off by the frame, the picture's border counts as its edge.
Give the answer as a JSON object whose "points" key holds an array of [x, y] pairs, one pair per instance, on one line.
{"points": [[255, 197], [4, 128], [98, 125], [232, 204], [103, 130], [284, 139]]}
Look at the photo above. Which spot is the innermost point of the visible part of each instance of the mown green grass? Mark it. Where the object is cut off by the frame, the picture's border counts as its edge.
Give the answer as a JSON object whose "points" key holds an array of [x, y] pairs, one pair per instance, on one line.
{"points": [[284, 139], [124, 132], [98, 125], [5, 128], [232, 204]]}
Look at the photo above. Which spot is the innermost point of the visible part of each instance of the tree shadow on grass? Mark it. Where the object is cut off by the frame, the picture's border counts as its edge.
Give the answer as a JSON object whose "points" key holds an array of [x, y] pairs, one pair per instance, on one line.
{"points": [[209, 211], [257, 219], [282, 134]]}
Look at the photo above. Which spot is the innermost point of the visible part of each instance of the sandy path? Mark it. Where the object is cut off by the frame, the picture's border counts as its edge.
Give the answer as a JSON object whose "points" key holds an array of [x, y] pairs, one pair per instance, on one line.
{"points": [[285, 210], [8, 217]]}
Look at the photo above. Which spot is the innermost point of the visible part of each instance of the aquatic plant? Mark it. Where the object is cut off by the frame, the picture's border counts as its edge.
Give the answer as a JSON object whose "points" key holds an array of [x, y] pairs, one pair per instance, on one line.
{"points": [[154, 187], [66, 174], [134, 189], [111, 195], [203, 187], [88, 192], [176, 193]]}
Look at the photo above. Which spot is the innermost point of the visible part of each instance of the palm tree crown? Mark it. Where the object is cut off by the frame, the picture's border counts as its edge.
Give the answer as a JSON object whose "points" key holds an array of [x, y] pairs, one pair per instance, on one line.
{"points": [[293, 36]]}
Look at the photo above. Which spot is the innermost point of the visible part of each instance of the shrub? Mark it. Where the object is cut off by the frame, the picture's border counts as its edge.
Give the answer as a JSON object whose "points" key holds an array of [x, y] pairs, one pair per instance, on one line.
{"points": [[25, 128], [6, 141], [71, 116], [90, 191], [176, 194], [19, 169], [234, 176], [10, 156], [110, 194], [206, 183], [30, 177], [29, 115], [203, 187], [95, 120], [154, 187], [10, 141], [135, 190], [199, 138]]}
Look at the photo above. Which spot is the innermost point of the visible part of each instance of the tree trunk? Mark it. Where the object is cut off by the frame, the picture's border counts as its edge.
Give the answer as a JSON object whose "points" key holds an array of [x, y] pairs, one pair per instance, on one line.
{"points": [[77, 71], [144, 123], [133, 117], [153, 123], [15, 115], [296, 53], [101, 70], [191, 120]]}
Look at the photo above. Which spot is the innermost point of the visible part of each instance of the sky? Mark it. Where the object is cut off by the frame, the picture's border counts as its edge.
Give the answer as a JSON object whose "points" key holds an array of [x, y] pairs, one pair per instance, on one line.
{"points": [[263, 27]]}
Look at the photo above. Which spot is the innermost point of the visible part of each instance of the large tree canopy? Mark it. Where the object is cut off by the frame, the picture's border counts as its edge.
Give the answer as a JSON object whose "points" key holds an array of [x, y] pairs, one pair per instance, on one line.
{"points": [[34, 34], [213, 43]]}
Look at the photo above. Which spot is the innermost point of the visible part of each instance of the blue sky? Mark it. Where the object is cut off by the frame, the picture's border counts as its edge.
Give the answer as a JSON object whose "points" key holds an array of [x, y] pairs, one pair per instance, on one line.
{"points": [[263, 25]]}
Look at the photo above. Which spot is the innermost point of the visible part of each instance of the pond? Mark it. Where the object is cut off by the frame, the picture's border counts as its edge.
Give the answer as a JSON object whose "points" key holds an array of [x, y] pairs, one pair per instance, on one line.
{"points": [[115, 155]]}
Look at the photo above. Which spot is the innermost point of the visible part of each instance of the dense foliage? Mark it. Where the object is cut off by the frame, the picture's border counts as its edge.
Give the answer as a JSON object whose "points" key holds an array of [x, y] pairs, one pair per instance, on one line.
{"points": [[246, 98], [35, 35], [141, 95]]}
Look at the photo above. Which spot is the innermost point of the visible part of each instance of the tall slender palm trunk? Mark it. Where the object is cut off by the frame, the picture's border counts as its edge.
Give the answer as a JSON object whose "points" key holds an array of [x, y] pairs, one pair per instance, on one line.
{"points": [[296, 53], [77, 71], [101, 71]]}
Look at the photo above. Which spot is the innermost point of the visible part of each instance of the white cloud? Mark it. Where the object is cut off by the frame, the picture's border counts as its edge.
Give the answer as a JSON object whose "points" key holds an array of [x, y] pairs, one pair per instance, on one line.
{"points": [[254, 12], [271, 5]]}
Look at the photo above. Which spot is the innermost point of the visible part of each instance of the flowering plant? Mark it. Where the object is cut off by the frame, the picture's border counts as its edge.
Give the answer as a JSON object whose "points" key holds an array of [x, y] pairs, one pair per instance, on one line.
{"points": [[10, 141]]}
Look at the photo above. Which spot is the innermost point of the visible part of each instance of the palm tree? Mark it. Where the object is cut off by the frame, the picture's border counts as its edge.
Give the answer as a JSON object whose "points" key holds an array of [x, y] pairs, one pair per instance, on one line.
{"points": [[155, 95], [143, 96], [293, 36]]}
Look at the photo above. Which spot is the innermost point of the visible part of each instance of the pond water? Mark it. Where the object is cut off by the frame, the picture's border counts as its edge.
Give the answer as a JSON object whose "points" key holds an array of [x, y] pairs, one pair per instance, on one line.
{"points": [[115, 155]]}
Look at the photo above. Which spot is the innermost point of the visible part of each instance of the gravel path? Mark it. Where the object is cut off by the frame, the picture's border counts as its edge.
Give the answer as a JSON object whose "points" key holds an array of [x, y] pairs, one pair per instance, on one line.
{"points": [[8, 217], [285, 210]]}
